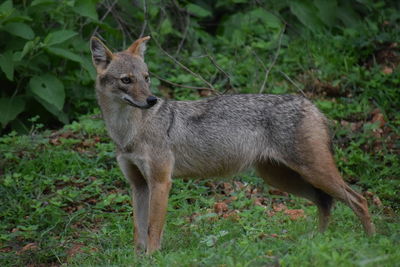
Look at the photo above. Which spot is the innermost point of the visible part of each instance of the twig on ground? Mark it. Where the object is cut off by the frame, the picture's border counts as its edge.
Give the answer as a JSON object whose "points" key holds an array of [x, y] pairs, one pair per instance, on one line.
{"points": [[274, 60]]}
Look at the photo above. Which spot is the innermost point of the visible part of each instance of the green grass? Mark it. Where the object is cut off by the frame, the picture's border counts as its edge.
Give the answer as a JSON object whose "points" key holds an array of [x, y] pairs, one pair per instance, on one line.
{"points": [[63, 193]]}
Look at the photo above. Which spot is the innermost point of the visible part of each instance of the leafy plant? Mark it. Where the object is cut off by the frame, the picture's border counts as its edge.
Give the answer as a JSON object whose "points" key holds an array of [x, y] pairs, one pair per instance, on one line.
{"points": [[45, 66], [41, 56]]}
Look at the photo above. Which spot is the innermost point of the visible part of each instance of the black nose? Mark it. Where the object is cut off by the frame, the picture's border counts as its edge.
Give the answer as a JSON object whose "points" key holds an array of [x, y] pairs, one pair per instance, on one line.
{"points": [[151, 100]]}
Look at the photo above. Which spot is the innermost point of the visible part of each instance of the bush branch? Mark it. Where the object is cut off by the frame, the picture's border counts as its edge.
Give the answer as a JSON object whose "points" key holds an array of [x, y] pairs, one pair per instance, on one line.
{"points": [[273, 61]]}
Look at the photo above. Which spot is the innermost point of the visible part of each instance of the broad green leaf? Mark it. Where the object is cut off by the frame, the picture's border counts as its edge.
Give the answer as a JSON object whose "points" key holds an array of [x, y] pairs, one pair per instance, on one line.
{"points": [[86, 64], [109, 29], [49, 89], [268, 19], [166, 27], [198, 10], [7, 64], [20, 29], [327, 11], [59, 37], [62, 116], [306, 13], [27, 48], [325, 105], [13, 17], [10, 108], [86, 8], [41, 2], [153, 11], [64, 53], [347, 15], [6, 8]]}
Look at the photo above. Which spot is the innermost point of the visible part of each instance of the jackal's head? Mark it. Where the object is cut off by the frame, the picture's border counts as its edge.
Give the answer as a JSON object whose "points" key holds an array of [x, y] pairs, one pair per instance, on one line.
{"points": [[123, 76]]}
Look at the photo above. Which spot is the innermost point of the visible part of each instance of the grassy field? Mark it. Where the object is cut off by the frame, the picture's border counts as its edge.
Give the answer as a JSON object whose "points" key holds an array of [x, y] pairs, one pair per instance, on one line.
{"points": [[65, 202]]}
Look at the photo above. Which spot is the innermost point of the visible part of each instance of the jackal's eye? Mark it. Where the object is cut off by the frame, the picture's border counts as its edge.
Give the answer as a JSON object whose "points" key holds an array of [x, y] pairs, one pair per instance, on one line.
{"points": [[126, 80], [147, 78]]}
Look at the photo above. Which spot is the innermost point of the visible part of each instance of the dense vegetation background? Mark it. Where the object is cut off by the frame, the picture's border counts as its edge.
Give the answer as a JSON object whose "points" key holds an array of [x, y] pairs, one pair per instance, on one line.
{"points": [[61, 193]]}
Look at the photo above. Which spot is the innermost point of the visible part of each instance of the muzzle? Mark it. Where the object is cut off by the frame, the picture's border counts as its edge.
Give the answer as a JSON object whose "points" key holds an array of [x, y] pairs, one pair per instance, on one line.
{"points": [[150, 101]]}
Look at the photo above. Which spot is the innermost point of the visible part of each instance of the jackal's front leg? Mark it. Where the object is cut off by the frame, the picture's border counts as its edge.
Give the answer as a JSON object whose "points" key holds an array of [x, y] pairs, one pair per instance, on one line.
{"points": [[159, 185], [140, 199]]}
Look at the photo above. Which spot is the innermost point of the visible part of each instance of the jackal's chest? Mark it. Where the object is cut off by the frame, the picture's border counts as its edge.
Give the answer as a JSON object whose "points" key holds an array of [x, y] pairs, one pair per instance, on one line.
{"points": [[123, 140], [121, 132]]}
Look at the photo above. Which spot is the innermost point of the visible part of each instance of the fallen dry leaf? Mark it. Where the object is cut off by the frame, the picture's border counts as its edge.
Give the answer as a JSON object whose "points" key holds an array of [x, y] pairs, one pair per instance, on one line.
{"points": [[228, 200], [258, 201], [377, 202], [295, 214], [277, 192], [254, 191], [75, 249], [220, 207], [227, 188], [67, 135], [262, 235], [388, 211], [88, 143], [279, 207], [55, 141], [270, 213], [377, 116], [387, 70], [232, 215], [239, 185], [309, 203], [193, 217], [204, 92], [6, 249], [368, 194], [28, 247]]}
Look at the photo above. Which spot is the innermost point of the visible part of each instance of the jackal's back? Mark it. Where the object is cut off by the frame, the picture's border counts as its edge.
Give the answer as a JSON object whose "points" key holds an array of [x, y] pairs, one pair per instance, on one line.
{"points": [[225, 134]]}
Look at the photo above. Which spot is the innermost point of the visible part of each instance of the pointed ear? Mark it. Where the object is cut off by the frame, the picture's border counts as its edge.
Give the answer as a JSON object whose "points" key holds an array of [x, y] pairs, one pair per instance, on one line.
{"points": [[101, 55], [139, 47]]}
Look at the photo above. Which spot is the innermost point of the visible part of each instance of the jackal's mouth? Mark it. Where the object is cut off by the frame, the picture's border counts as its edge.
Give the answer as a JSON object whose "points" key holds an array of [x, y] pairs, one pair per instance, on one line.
{"points": [[150, 101]]}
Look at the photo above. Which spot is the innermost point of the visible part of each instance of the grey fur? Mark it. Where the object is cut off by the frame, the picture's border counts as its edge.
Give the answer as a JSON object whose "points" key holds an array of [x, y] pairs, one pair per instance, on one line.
{"points": [[235, 131]]}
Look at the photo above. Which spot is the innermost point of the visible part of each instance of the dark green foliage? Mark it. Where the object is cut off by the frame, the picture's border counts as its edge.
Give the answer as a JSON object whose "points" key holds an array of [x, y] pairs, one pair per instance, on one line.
{"points": [[46, 68], [45, 63]]}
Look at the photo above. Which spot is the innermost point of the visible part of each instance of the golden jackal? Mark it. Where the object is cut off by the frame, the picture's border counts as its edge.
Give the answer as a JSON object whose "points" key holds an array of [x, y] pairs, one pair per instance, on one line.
{"points": [[284, 137]]}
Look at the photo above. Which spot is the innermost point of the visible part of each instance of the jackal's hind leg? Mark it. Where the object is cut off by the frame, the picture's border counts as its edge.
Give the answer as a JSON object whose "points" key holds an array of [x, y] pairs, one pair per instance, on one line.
{"points": [[324, 203], [316, 165], [285, 179], [324, 175]]}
